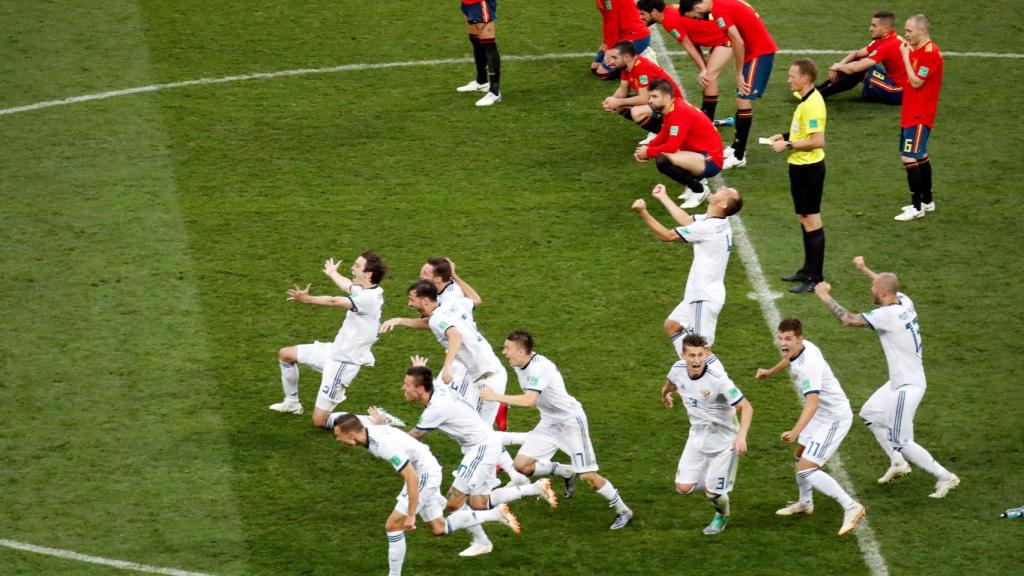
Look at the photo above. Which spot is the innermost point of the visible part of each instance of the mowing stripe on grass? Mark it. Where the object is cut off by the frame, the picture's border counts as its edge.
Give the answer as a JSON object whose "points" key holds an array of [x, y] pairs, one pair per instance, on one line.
{"points": [[384, 65], [122, 564], [766, 300]]}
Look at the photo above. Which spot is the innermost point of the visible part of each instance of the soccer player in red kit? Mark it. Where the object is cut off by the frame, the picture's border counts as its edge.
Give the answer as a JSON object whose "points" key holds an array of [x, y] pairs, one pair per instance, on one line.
{"points": [[922, 61], [878, 65], [753, 54], [693, 35], [480, 17], [688, 148], [637, 74], [620, 20]]}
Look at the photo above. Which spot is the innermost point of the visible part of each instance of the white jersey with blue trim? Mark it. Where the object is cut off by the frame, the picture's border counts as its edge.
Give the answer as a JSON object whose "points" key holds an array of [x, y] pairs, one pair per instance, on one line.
{"points": [[400, 449], [813, 375], [554, 402], [449, 413], [900, 335], [361, 327], [712, 243], [453, 295], [475, 353], [710, 401]]}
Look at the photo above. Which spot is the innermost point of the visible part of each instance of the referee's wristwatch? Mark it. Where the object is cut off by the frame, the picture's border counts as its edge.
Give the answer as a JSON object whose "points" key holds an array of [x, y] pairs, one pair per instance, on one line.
{"points": [[789, 144]]}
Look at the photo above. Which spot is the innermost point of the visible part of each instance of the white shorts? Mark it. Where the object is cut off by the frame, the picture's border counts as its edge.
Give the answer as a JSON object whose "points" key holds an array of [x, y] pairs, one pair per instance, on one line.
{"points": [[698, 317], [431, 504], [497, 381], [716, 470], [895, 410], [822, 437], [570, 436], [335, 375], [477, 474]]}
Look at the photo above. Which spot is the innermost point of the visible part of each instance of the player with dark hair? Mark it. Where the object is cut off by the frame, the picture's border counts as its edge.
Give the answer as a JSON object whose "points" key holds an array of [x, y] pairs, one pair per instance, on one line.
{"points": [[753, 54], [620, 21], [338, 361], [687, 149], [480, 17], [878, 65], [923, 63], [805, 144], [631, 99], [693, 35]]}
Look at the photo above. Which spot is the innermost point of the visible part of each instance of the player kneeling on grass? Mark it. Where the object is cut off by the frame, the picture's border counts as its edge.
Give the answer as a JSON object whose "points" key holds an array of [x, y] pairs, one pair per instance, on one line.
{"points": [[821, 427], [714, 443], [422, 493], [562, 426], [338, 362]]}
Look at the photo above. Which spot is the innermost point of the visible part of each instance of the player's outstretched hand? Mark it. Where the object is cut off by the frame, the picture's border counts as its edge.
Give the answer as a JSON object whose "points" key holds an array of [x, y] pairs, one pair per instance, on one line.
{"points": [[375, 416], [761, 374], [331, 266], [639, 205], [389, 325], [858, 263], [788, 436], [418, 360], [659, 191], [823, 289], [298, 294]]}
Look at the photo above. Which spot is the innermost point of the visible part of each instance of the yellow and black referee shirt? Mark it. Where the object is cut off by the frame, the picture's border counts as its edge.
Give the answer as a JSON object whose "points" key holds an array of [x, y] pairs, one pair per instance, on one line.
{"points": [[808, 118]]}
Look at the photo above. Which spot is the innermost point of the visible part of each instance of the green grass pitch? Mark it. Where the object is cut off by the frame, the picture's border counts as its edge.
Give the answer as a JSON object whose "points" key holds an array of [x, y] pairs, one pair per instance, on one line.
{"points": [[147, 240]]}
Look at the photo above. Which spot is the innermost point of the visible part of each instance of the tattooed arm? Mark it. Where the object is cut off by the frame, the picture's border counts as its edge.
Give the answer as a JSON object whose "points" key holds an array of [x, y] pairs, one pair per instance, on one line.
{"points": [[846, 317]]}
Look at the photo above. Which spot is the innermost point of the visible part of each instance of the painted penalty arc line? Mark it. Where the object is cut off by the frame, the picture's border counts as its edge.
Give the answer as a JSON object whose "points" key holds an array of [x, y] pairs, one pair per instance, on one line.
{"points": [[122, 564], [385, 65], [866, 540]]}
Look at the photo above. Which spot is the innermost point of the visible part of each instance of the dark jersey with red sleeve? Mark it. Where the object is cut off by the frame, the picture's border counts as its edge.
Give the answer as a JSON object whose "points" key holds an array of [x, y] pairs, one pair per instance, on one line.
{"points": [[756, 39], [620, 20], [684, 127], [919, 104], [701, 32], [886, 51], [644, 72]]}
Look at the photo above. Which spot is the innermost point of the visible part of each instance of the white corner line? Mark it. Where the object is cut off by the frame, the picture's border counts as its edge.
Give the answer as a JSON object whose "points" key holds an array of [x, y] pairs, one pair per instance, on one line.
{"points": [[122, 564], [766, 300], [379, 66]]}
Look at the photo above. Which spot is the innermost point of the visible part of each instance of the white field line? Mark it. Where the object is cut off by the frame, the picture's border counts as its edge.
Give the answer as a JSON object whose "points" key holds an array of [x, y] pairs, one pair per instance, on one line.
{"points": [[123, 565], [766, 300], [379, 66]]}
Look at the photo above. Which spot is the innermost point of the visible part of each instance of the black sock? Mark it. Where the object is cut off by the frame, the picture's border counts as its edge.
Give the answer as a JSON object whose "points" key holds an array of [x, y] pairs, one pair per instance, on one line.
{"points": [[806, 268], [652, 124], [666, 167], [816, 254], [493, 64], [744, 119], [915, 180], [925, 166], [842, 84], [708, 105], [479, 58]]}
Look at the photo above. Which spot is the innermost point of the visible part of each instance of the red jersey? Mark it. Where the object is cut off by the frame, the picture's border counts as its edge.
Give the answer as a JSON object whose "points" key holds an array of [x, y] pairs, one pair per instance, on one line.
{"points": [[471, 2], [701, 32], [620, 20], [686, 128], [644, 72], [919, 104], [886, 51], [756, 39]]}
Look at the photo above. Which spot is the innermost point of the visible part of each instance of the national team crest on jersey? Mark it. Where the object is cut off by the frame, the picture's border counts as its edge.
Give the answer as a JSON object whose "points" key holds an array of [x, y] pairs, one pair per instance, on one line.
{"points": [[705, 393]]}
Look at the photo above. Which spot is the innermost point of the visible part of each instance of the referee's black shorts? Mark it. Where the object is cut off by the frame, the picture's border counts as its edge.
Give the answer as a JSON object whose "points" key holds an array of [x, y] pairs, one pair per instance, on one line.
{"points": [[806, 184]]}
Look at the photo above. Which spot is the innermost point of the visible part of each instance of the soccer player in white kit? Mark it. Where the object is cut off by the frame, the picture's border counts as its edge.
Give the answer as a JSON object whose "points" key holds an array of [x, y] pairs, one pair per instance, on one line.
{"points": [[475, 478], [563, 425], [821, 427], [889, 413], [422, 493], [714, 442], [711, 236], [338, 361]]}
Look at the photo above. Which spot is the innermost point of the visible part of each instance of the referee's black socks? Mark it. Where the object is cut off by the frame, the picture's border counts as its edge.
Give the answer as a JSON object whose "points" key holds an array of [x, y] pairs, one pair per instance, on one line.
{"points": [[815, 256]]}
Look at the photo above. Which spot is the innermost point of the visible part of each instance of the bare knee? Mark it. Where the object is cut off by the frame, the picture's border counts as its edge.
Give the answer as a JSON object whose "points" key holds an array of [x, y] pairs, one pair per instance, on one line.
{"points": [[395, 524], [672, 327], [288, 354], [593, 479], [525, 466]]}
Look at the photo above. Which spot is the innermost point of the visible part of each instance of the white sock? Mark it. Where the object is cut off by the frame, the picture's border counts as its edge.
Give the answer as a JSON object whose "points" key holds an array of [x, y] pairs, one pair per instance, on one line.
{"points": [[396, 552], [479, 536], [512, 438], [920, 457], [806, 490], [882, 436], [461, 520], [290, 381], [720, 502], [612, 496], [552, 469], [505, 460], [677, 342], [513, 493], [491, 515], [828, 486]]}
